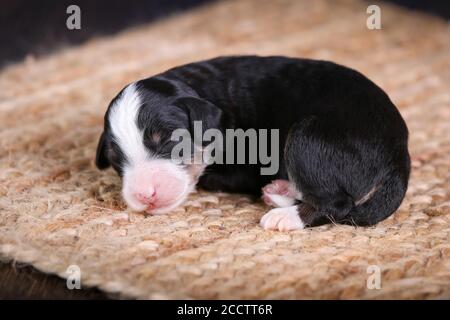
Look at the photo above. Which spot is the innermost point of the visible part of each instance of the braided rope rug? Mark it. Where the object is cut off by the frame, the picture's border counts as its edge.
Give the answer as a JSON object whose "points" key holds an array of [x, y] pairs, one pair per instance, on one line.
{"points": [[57, 210]]}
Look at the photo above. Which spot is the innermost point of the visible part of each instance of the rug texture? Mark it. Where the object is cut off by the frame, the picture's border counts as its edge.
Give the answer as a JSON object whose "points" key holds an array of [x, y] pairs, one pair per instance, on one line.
{"points": [[57, 209]]}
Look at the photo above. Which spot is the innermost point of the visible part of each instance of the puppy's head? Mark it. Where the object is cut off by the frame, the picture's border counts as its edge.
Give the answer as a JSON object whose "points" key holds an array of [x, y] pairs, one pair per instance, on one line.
{"points": [[136, 142]]}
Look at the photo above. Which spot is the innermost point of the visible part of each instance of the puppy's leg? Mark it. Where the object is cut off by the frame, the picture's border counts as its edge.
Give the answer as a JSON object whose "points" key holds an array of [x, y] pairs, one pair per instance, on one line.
{"points": [[280, 193], [342, 180], [231, 178], [282, 219], [315, 170], [293, 217]]}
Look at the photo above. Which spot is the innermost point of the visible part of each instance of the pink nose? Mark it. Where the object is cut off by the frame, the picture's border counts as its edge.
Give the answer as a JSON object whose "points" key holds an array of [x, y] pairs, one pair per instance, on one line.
{"points": [[146, 198]]}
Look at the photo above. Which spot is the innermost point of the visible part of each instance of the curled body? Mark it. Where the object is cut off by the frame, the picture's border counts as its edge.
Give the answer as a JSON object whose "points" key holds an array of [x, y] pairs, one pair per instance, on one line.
{"points": [[342, 144]]}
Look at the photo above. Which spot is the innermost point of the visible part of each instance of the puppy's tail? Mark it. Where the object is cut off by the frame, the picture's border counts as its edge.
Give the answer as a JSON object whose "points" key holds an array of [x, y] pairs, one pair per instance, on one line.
{"points": [[379, 203]]}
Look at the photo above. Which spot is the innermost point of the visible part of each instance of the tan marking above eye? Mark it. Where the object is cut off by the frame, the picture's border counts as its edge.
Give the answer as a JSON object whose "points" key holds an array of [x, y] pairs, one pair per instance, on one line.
{"points": [[156, 137]]}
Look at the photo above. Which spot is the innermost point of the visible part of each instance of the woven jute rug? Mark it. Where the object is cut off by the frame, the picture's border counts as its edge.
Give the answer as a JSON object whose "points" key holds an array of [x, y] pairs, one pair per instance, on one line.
{"points": [[58, 210]]}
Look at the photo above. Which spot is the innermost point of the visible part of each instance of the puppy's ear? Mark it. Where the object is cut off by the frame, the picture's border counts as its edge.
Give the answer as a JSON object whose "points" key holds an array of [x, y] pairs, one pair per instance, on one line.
{"points": [[201, 110], [101, 160]]}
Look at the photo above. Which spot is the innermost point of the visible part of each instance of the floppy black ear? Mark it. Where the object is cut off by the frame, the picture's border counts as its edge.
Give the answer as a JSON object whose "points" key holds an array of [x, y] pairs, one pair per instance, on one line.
{"points": [[101, 160], [201, 110]]}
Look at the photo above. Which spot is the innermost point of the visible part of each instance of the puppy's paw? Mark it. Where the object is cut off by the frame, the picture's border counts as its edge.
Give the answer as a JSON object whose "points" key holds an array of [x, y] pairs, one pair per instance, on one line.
{"points": [[279, 193], [282, 219]]}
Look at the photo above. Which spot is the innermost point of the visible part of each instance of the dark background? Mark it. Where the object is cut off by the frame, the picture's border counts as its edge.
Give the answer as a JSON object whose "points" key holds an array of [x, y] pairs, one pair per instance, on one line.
{"points": [[39, 27]]}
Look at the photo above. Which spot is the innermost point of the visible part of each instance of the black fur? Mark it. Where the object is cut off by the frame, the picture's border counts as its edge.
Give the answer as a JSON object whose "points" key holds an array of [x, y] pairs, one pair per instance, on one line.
{"points": [[341, 137]]}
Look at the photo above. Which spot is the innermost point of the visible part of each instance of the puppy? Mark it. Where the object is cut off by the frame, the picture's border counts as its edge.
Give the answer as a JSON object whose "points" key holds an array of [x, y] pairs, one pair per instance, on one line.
{"points": [[343, 145]]}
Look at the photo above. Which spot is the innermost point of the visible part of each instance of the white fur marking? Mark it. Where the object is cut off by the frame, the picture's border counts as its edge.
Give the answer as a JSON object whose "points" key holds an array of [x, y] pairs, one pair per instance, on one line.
{"points": [[282, 219], [298, 195], [280, 200], [123, 120]]}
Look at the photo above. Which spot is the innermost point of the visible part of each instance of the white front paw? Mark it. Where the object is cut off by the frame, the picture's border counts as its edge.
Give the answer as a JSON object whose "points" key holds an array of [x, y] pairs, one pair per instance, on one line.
{"points": [[282, 219]]}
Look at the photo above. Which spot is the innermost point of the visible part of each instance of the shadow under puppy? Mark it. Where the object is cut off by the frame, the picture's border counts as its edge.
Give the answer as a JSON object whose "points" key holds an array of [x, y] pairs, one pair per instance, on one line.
{"points": [[343, 145]]}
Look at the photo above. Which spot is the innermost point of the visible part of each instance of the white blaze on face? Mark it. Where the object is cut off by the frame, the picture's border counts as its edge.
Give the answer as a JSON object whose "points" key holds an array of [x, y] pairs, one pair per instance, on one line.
{"points": [[150, 184], [123, 119]]}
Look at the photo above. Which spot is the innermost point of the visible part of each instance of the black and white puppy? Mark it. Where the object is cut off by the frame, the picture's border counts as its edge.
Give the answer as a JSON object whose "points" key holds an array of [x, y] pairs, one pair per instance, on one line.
{"points": [[343, 145]]}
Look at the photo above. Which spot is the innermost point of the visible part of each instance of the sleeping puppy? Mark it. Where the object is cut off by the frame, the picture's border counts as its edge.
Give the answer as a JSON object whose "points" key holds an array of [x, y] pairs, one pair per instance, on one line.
{"points": [[343, 154]]}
